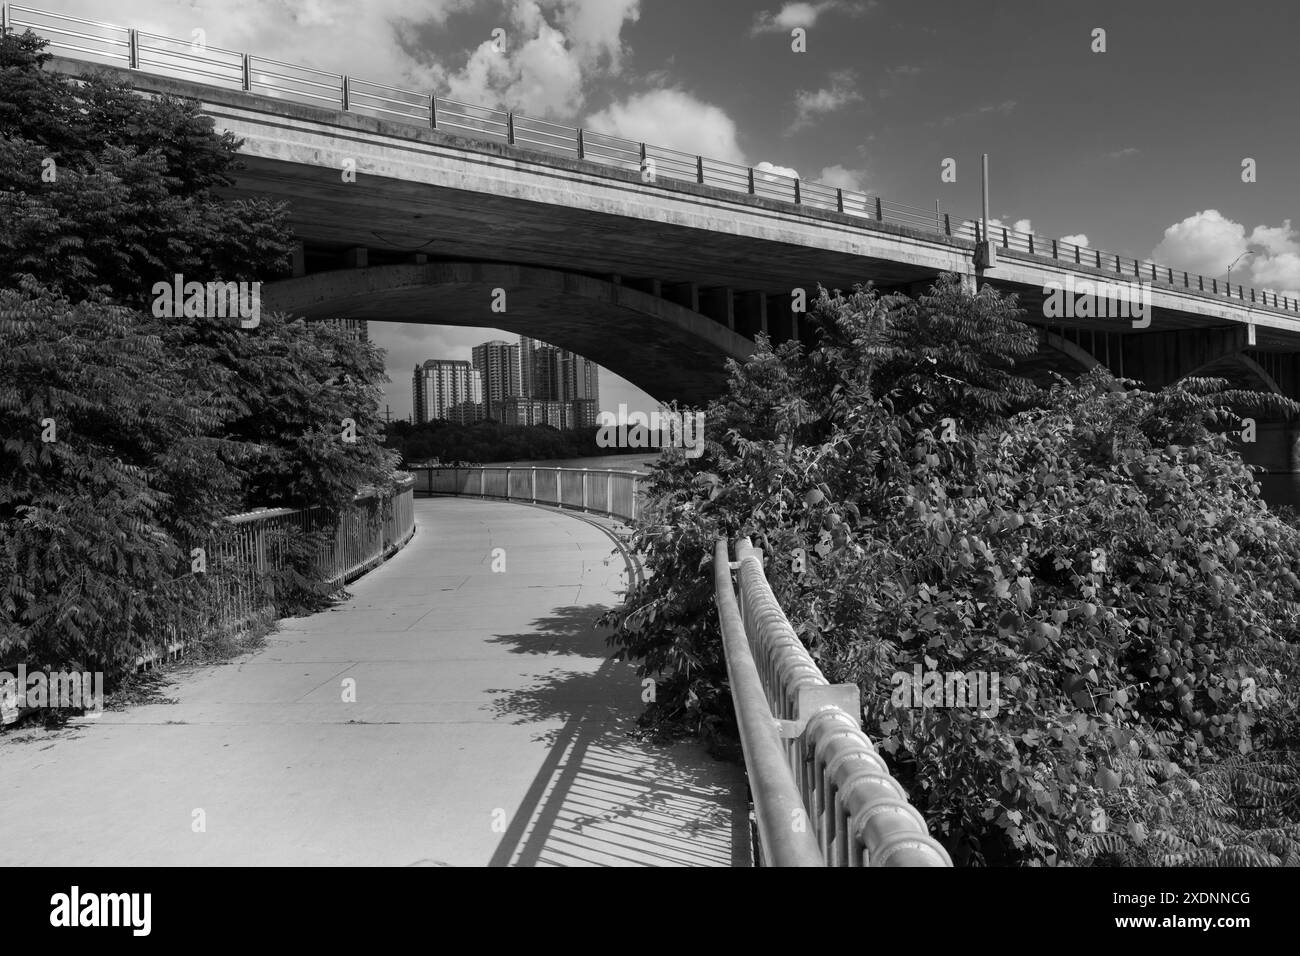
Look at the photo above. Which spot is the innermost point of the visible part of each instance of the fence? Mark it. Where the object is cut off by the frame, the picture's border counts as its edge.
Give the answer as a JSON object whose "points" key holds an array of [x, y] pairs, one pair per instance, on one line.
{"points": [[822, 794], [613, 493], [236, 594], [99, 42]]}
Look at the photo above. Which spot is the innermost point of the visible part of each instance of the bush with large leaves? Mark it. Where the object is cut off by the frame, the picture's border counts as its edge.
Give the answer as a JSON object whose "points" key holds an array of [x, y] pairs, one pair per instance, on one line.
{"points": [[1102, 550], [160, 426]]}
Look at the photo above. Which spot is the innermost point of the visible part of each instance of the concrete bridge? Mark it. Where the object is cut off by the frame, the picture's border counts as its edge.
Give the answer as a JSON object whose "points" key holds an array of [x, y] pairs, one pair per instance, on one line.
{"points": [[655, 263]]}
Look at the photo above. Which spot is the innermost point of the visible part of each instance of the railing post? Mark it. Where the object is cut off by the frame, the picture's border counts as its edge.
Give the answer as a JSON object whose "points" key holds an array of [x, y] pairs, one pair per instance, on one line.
{"points": [[699, 169], [1054, 249], [510, 129], [532, 485], [1098, 258], [344, 87], [4, 18], [609, 492], [482, 482], [584, 489], [559, 498], [880, 211], [133, 43], [507, 482], [751, 180], [248, 74], [1031, 243], [947, 224], [797, 199], [582, 149], [433, 110], [1005, 243], [839, 200]]}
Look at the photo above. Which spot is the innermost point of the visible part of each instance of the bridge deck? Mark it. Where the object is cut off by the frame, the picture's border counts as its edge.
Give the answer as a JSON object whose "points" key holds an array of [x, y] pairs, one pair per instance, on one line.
{"points": [[489, 728]]}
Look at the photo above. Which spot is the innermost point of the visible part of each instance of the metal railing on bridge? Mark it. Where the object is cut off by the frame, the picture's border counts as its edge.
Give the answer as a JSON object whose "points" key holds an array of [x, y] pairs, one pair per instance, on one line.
{"points": [[822, 794], [99, 42], [240, 598], [616, 494]]}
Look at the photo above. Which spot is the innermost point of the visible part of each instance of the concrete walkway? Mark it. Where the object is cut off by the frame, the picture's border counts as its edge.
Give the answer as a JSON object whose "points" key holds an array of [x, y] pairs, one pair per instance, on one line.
{"points": [[489, 728]]}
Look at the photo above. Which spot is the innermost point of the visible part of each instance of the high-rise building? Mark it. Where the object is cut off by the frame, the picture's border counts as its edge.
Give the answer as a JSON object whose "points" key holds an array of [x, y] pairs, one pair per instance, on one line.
{"points": [[527, 350], [558, 375], [451, 389], [498, 364], [358, 329]]}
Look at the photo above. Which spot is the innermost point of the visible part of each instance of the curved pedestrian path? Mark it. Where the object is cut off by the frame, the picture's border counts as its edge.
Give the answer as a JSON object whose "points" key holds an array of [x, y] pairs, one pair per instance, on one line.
{"points": [[445, 714]]}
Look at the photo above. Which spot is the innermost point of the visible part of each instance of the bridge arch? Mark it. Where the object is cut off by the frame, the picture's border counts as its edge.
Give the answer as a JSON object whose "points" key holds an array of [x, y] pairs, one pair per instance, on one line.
{"points": [[670, 351]]}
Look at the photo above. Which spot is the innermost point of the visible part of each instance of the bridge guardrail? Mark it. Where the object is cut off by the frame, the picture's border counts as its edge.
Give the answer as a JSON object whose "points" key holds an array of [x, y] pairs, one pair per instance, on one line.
{"points": [[239, 594], [375, 526], [616, 494], [822, 794], [96, 41]]}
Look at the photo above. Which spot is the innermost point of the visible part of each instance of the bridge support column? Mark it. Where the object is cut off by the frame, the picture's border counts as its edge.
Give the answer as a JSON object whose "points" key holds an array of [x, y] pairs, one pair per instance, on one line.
{"points": [[719, 305], [753, 314]]}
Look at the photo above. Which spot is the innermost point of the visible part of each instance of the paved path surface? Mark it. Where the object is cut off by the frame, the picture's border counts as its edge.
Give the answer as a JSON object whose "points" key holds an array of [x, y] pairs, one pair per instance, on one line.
{"points": [[489, 728]]}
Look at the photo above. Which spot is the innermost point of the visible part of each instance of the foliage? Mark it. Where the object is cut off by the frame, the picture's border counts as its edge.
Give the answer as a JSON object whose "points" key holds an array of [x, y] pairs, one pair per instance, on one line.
{"points": [[160, 426], [1103, 551]]}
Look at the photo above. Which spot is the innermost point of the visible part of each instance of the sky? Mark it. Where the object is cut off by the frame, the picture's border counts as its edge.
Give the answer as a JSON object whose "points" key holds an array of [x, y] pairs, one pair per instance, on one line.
{"points": [[1130, 140]]}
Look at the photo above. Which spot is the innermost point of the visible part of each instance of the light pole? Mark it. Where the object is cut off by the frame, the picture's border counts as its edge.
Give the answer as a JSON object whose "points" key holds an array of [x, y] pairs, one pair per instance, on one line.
{"points": [[1228, 277]]}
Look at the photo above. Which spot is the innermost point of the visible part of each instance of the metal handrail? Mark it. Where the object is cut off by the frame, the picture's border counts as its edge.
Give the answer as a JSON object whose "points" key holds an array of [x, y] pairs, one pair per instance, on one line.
{"points": [[784, 838], [755, 182], [857, 813], [618, 495]]}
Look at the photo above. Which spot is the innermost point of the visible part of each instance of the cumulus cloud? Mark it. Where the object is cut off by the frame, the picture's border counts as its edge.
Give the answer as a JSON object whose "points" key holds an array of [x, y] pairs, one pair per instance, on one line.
{"points": [[811, 104], [1209, 243], [1020, 225], [841, 178], [672, 118], [545, 68], [1078, 239], [331, 35], [773, 171], [554, 49]]}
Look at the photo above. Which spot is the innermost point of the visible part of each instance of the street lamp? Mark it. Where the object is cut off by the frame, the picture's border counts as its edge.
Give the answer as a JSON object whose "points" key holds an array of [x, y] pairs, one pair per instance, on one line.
{"points": [[1228, 277]]}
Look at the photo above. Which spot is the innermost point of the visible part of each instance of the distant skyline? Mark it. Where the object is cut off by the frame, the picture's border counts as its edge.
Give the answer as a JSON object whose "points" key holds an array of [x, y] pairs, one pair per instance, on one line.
{"points": [[406, 345]]}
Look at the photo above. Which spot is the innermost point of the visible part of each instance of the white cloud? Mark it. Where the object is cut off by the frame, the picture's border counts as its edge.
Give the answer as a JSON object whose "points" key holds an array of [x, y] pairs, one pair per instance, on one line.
{"points": [[332, 35], [545, 70], [1205, 243], [1020, 225], [804, 14], [810, 104], [1078, 239], [672, 118], [774, 171], [1124, 153], [842, 178], [1208, 243]]}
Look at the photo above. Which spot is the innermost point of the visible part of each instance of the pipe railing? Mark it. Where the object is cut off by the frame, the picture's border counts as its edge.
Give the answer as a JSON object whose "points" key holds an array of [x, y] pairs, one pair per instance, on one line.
{"points": [[238, 595], [97, 41], [616, 494], [822, 794]]}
